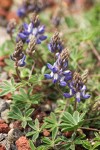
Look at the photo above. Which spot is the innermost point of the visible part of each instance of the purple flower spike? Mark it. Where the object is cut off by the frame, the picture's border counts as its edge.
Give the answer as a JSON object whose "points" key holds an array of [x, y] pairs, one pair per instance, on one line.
{"points": [[33, 29], [55, 44], [77, 88]]}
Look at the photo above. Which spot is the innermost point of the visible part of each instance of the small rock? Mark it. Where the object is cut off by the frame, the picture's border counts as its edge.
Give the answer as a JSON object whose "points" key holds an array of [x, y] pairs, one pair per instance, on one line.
{"points": [[2, 136], [2, 147], [14, 134], [23, 144], [17, 125], [3, 13], [4, 128], [45, 107], [68, 134], [6, 4], [3, 105], [2, 121], [4, 115], [46, 133]]}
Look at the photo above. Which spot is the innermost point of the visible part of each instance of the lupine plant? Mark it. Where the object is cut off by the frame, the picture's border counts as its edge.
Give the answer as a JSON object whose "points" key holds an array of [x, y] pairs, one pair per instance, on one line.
{"points": [[48, 87]]}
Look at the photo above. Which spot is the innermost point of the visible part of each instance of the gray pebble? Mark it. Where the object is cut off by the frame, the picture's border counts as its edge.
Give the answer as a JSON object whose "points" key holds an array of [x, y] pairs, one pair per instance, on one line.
{"points": [[3, 105], [4, 115]]}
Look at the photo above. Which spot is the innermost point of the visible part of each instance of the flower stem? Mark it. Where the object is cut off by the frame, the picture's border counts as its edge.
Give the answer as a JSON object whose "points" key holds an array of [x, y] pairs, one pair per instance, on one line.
{"points": [[92, 129], [66, 105], [17, 71], [75, 105], [32, 70], [39, 57]]}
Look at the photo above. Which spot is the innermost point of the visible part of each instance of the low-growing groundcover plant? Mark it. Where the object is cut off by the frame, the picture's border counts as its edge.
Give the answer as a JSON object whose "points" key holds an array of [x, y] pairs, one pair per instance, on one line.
{"points": [[52, 102]]}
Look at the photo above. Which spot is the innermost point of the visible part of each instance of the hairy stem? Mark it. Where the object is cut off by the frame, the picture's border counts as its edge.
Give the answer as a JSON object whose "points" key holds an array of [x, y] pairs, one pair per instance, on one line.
{"points": [[92, 129], [17, 71], [40, 57], [32, 70], [75, 105]]}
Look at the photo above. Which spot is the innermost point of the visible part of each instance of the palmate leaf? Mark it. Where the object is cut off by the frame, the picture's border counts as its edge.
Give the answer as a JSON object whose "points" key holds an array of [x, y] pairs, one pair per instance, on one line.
{"points": [[26, 98], [15, 114], [71, 122], [24, 117], [36, 129], [7, 87], [51, 122]]}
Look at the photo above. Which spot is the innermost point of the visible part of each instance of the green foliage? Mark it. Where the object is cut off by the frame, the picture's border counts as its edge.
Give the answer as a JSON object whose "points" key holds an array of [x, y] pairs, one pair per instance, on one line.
{"points": [[36, 79], [8, 87], [24, 117], [51, 143], [76, 56], [71, 122], [70, 21], [36, 129], [70, 143], [92, 145], [10, 66], [6, 48], [26, 98], [78, 31], [52, 124]]}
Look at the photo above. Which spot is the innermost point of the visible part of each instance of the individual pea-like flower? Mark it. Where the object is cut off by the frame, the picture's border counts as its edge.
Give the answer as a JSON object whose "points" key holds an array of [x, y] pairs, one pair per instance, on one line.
{"points": [[58, 69], [77, 88], [33, 29], [18, 56], [55, 45], [21, 12], [20, 62]]}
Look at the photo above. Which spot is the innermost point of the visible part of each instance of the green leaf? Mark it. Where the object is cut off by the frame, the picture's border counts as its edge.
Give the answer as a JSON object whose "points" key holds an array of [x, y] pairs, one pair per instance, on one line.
{"points": [[32, 145], [7, 87], [24, 123], [37, 123], [68, 118], [29, 112], [30, 133], [47, 141], [17, 111], [13, 116], [42, 148], [31, 124], [71, 122], [54, 132], [35, 136], [51, 121], [96, 145], [86, 144], [76, 116]]}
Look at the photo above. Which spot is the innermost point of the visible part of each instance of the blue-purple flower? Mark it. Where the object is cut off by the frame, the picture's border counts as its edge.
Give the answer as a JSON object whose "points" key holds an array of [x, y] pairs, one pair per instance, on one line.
{"points": [[21, 12], [77, 88], [32, 30], [59, 72], [20, 62]]}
